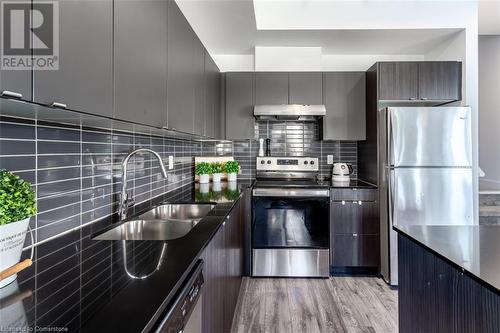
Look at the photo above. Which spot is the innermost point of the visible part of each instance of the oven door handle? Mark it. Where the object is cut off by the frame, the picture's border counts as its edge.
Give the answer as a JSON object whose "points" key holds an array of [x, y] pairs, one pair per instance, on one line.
{"points": [[286, 192]]}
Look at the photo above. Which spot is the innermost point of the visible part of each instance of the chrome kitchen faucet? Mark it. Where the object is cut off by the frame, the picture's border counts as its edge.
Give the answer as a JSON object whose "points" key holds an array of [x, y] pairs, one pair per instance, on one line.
{"points": [[125, 201]]}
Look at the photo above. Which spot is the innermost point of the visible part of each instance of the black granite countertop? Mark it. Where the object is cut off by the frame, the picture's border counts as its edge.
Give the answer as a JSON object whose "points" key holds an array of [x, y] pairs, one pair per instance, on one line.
{"points": [[81, 284], [475, 249], [352, 183]]}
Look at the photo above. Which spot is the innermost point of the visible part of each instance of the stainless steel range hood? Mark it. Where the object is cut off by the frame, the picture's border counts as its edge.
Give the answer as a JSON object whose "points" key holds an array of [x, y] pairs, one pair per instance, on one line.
{"points": [[289, 112]]}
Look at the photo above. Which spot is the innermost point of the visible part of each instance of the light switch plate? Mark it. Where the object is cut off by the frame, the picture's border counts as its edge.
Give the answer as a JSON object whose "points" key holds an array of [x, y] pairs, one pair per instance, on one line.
{"points": [[329, 159], [170, 162]]}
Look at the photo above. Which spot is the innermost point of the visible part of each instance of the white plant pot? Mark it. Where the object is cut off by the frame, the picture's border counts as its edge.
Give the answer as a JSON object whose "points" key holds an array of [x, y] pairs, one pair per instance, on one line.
{"points": [[231, 177], [12, 237], [204, 179], [216, 177]]}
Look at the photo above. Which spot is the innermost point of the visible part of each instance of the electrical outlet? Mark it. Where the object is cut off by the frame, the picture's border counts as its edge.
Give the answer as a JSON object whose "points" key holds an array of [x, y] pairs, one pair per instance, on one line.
{"points": [[329, 159], [170, 162]]}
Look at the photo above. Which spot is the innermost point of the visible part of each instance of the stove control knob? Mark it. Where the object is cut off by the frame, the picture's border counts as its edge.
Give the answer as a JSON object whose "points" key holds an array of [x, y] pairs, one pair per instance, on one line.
{"points": [[312, 162], [305, 162], [262, 162], [268, 161]]}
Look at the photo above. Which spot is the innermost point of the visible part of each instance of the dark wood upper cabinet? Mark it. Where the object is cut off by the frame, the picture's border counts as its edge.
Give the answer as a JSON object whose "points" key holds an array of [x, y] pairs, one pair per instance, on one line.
{"points": [[140, 61], [420, 81], [84, 80], [440, 80], [271, 88], [306, 88], [398, 81], [239, 105]]}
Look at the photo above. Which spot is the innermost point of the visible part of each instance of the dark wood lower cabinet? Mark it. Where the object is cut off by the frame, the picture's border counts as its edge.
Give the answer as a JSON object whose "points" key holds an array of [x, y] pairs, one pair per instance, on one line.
{"points": [[354, 231], [354, 250], [435, 296], [223, 271]]}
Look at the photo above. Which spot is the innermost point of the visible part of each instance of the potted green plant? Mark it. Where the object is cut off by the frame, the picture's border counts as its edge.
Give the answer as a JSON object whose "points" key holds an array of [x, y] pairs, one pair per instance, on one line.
{"points": [[217, 170], [231, 168], [203, 170], [17, 205]]}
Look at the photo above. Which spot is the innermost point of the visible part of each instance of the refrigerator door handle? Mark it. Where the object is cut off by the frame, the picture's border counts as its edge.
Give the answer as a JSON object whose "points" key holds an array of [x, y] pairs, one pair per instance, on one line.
{"points": [[390, 196]]}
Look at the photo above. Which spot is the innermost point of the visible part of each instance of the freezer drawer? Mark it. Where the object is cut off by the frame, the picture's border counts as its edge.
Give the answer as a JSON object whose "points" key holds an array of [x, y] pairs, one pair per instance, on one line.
{"points": [[423, 136], [431, 196], [291, 262]]}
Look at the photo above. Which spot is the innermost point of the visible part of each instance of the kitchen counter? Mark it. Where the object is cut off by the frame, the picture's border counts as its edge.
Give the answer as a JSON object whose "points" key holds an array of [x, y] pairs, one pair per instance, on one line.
{"points": [[352, 183], [473, 249], [448, 278], [122, 286]]}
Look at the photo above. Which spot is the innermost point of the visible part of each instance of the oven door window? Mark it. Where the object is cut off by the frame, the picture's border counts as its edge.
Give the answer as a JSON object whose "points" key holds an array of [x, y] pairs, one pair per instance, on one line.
{"points": [[290, 222]]}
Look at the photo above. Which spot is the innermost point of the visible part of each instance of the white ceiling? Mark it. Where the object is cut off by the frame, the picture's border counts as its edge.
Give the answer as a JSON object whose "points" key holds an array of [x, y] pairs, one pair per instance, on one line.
{"points": [[229, 27], [489, 17]]}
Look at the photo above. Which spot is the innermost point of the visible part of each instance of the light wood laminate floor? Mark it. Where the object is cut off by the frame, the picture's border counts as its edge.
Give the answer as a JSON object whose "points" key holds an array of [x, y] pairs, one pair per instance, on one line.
{"points": [[338, 304]]}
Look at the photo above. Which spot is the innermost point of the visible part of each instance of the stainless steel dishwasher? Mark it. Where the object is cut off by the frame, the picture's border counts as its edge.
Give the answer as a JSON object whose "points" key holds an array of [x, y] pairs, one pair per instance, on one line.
{"points": [[185, 311]]}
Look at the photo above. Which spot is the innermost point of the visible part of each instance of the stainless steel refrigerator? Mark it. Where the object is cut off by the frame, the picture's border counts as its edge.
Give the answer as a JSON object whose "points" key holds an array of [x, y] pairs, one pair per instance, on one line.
{"points": [[425, 176]]}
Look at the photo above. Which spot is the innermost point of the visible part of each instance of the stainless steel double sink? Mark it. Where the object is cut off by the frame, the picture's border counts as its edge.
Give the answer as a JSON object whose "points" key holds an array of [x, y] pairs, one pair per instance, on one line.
{"points": [[164, 222]]}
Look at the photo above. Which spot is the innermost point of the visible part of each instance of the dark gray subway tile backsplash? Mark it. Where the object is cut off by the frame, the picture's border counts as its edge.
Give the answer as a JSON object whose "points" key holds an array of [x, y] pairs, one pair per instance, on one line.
{"points": [[294, 138], [76, 170]]}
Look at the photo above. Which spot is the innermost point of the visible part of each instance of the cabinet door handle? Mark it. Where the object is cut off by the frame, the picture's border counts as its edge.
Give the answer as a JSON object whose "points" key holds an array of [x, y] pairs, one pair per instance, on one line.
{"points": [[424, 98], [360, 202], [12, 94], [412, 98], [355, 235], [59, 105], [343, 203]]}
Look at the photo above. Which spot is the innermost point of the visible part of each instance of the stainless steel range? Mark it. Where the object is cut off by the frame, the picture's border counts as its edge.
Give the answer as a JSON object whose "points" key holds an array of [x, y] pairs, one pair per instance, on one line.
{"points": [[290, 227]]}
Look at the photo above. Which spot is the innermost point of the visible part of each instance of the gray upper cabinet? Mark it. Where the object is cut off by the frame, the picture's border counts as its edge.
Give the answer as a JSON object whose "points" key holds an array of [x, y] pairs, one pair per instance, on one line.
{"points": [[212, 91], [84, 80], [345, 102], [239, 106], [16, 81], [305, 88], [199, 86], [398, 81], [220, 107], [440, 80], [140, 60], [271, 88], [181, 74]]}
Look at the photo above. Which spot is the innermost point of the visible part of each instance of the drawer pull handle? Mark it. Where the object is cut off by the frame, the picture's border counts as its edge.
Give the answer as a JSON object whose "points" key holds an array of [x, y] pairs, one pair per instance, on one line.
{"points": [[12, 94], [360, 202], [355, 235], [343, 203], [59, 105]]}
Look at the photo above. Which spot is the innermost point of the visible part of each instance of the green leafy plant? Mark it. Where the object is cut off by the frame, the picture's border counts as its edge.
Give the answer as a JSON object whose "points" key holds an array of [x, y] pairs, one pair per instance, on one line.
{"points": [[203, 168], [17, 199], [217, 167], [231, 167]]}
